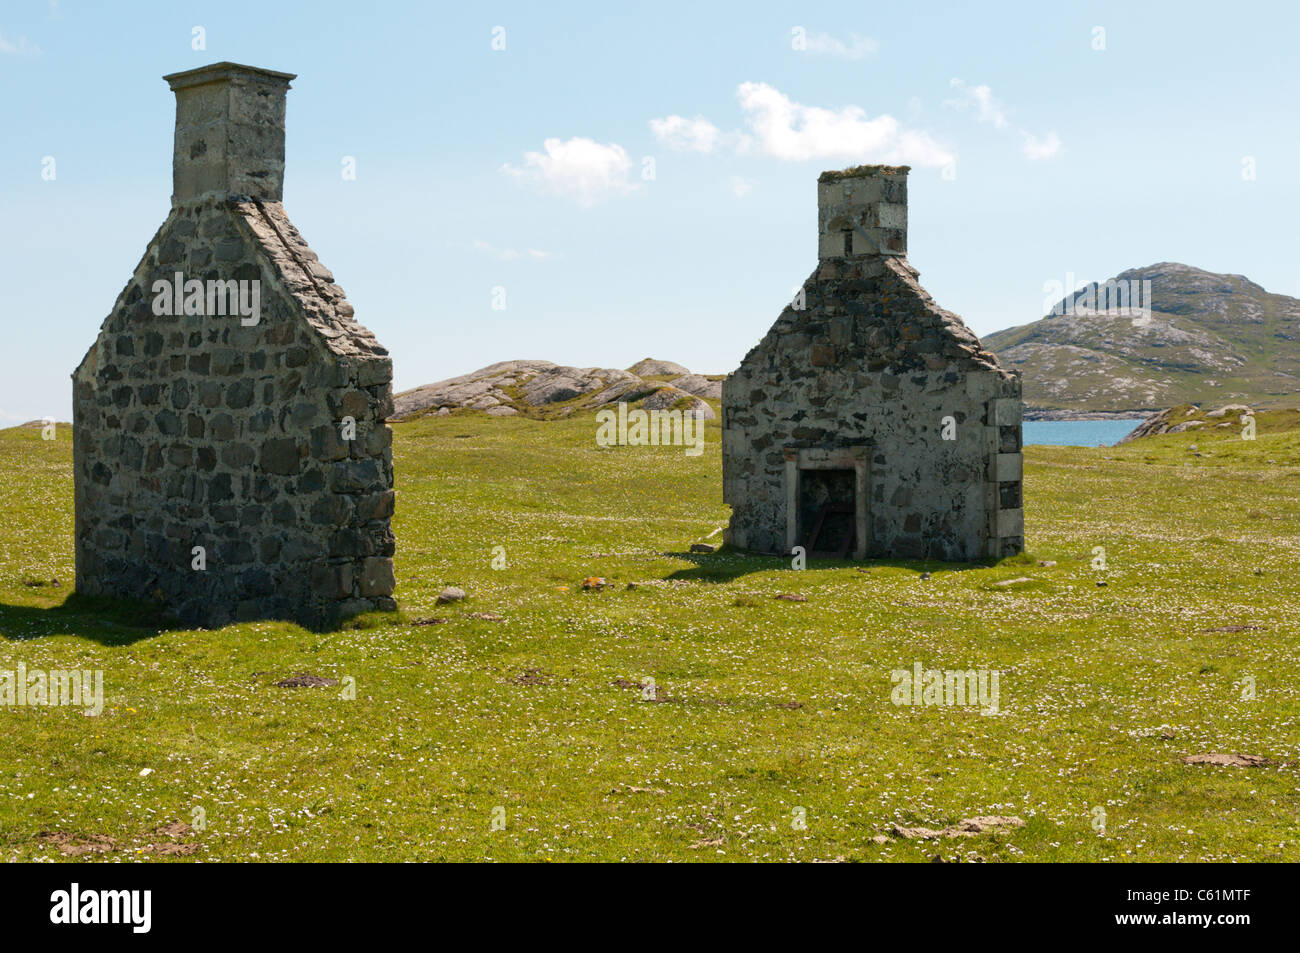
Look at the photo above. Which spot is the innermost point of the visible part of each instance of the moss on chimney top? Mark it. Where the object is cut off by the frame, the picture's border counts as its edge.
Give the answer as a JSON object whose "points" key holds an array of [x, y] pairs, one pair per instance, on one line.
{"points": [[861, 171]]}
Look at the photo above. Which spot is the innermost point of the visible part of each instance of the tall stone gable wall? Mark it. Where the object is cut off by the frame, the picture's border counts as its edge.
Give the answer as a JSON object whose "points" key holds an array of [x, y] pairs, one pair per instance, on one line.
{"points": [[197, 431], [871, 360]]}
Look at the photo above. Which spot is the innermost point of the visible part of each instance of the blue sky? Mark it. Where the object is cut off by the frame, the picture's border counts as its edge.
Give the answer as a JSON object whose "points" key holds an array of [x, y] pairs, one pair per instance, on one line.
{"points": [[1035, 155]]}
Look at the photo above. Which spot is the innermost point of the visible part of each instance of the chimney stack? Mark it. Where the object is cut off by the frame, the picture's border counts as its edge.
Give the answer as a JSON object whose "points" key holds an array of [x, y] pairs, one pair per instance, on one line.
{"points": [[229, 132], [862, 212]]}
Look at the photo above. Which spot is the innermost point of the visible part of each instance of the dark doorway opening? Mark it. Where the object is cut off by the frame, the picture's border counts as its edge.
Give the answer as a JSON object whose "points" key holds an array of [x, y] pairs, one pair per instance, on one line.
{"points": [[827, 507]]}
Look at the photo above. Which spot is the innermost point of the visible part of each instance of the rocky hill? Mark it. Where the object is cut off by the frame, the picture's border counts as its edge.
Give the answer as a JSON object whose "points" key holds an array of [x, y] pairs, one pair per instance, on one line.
{"points": [[545, 390], [1207, 338]]}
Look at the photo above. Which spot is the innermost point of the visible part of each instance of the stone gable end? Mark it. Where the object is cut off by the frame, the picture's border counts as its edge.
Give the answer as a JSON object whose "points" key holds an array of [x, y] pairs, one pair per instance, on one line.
{"points": [[867, 410], [228, 468]]}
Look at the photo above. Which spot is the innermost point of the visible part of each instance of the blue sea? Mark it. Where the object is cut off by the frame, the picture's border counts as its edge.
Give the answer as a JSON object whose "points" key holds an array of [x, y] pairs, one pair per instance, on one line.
{"points": [[1077, 433]]}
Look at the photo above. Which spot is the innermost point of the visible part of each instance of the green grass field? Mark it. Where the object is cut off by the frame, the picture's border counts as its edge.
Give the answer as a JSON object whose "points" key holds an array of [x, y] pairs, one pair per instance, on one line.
{"points": [[531, 738]]}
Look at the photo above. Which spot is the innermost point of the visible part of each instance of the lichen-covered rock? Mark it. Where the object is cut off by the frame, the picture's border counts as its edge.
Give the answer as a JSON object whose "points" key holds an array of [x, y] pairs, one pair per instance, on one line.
{"points": [[507, 388], [668, 397], [1186, 417], [699, 385], [649, 367]]}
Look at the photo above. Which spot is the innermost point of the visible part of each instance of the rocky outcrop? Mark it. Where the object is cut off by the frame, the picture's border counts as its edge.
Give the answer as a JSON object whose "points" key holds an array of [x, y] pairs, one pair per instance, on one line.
{"points": [[708, 388], [668, 397], [1188, 417], [543, 389], [649, 367]]}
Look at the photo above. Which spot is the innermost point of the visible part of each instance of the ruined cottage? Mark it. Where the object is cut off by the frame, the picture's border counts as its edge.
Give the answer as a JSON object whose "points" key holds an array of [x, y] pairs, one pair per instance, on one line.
{"points": [[870, 422], [230, 452]]}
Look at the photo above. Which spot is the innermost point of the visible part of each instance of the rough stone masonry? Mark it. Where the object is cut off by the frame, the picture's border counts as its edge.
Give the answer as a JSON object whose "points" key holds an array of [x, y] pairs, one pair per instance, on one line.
{"points": [[870, 422], [230, 451]]}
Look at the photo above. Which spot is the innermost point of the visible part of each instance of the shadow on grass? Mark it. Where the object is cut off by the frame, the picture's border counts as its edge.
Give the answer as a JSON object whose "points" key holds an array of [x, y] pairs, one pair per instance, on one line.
{"points": [[106, 621], [119, 622], [727, 564]]}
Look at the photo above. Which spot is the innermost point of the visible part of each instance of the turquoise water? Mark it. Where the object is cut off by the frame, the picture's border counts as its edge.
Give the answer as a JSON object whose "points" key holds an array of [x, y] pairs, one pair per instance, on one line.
{"points": [[1078, 433]]}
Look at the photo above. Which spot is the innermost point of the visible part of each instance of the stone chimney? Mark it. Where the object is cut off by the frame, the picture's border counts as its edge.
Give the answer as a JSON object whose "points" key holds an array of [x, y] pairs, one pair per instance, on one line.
{"points": [[229, 132], [862, 212]]}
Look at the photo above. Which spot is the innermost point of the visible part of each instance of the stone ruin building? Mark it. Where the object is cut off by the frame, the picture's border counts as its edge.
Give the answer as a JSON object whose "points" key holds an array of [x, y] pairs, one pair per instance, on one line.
{"points": [[870, 422], [230, 451]]}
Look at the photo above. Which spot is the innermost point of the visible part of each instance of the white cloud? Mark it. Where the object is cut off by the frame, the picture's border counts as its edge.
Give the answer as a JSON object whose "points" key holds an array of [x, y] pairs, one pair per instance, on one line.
{"points": [[17, 46], [980, 98], [783, 129], [510, 254], [740, 187], [577, 168], [693, 135], [787, 130], [827, 45], [1048, 147]]}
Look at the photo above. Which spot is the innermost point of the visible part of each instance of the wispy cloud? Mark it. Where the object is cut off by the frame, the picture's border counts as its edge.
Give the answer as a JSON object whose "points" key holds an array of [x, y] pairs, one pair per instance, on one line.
{"points": [[781, 128], [17, 46], [740, 186], [980, 101], [1047, 147], [577, 168], [825, 44], [688, 135]]}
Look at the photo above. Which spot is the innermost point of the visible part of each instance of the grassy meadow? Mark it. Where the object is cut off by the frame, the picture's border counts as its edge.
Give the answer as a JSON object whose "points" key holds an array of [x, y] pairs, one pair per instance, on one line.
{"points": [[517, 728]]}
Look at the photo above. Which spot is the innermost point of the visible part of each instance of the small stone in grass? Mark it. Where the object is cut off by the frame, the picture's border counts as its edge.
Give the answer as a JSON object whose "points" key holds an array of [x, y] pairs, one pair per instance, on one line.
{"points": [[429, 621], [703, 548], [1047, 563], [792, 597], [1230, 760], [925, 575], [487, 616], [594, 582], [450, 594], [968, 827], [1011, 582], [303, 680]]}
